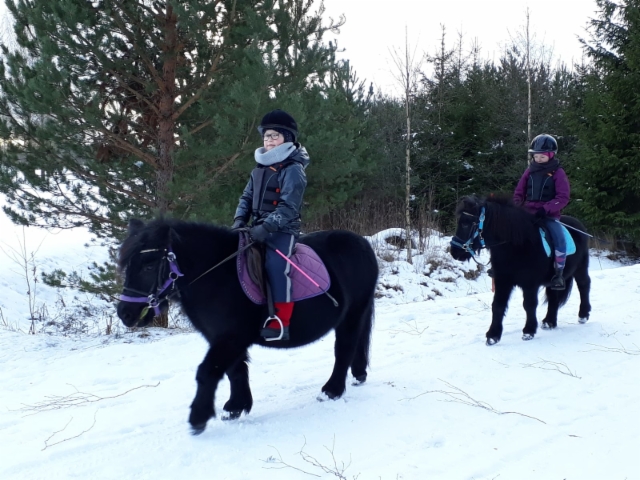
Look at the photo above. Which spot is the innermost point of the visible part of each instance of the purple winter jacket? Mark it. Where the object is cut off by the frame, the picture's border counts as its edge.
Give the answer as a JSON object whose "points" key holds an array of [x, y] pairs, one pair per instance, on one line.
{"points": [[554, 206]]}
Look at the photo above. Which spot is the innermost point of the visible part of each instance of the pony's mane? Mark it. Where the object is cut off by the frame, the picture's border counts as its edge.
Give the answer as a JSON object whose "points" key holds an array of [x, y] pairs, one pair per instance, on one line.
{"points": [[511, 223], [162, 232]]}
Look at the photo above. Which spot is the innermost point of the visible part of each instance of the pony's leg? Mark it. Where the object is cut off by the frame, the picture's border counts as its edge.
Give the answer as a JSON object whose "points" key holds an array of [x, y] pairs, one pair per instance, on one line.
{"points": [[498, 309], [553, 304], [361, 358], [583, 280], [530, 303], [220, 357], [240, 399], [347, 339]]}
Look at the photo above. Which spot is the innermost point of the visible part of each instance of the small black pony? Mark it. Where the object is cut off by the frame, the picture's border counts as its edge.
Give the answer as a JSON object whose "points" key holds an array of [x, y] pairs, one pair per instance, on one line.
{"points": [[166, 257], [518, 259]]}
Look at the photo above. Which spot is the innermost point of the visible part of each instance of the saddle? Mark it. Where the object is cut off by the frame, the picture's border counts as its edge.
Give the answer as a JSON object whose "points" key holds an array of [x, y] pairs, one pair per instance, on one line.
{"points": [[547, 241], [250, 268]]}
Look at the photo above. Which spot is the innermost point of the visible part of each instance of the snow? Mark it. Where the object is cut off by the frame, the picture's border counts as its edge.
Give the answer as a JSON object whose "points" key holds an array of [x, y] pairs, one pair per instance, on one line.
{"points": [[438, 403]]}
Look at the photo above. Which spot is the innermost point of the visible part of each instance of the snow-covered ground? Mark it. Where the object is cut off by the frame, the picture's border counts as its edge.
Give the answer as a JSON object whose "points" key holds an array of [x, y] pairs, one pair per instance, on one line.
{"points": [[437, 404]]}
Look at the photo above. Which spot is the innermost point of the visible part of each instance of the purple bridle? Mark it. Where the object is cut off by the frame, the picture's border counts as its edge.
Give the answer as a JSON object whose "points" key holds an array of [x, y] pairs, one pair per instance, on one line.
{"points": [[153, 299]]}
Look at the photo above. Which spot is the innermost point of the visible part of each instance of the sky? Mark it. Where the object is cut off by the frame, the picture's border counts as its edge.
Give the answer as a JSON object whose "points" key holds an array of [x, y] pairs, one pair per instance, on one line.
{"points": [[438, 403], [373, 27]]}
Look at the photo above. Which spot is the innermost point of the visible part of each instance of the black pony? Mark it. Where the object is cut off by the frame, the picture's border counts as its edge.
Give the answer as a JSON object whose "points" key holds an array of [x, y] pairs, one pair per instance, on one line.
{"points": [[518, 259], [167, 257]]}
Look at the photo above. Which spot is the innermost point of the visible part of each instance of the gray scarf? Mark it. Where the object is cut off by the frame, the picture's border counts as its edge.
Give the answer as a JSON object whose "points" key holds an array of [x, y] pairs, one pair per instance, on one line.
{"points": [[275, 155]]}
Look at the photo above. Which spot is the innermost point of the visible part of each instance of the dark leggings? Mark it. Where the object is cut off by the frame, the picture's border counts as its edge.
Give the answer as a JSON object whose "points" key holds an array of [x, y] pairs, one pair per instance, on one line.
{"points": [[277, 267]]}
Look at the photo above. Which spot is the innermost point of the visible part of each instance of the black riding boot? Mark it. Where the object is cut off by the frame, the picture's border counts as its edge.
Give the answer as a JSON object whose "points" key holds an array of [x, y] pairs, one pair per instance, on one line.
{"points": [[557, 281]]}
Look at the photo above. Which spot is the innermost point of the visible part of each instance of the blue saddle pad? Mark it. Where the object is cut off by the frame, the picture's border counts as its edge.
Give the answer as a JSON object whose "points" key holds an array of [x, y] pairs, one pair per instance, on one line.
{"points": [[571, 245]]}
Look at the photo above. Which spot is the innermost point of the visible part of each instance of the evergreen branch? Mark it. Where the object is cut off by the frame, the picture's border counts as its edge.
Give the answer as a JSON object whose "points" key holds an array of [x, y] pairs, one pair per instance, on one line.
{"points": [[137, 94], [73, 167], [220, 170], [61, 210], [224, 166], [197, 129], [155, 14], [214, 66], [130, 193], [120, 142], [146, 60]]}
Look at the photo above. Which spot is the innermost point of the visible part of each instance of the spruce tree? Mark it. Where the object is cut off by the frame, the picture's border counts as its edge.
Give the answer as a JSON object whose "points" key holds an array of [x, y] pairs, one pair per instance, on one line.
{"points": [[606, 166]]}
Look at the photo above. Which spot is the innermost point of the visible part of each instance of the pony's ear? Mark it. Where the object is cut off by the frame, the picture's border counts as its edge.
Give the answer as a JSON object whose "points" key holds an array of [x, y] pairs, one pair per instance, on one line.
{"points": [[135, 226]]}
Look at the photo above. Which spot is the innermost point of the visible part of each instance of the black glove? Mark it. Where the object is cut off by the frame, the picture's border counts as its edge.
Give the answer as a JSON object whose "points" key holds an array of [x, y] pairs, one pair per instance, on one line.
{"points": [[541, 213], [259, 233], [238, 223]]}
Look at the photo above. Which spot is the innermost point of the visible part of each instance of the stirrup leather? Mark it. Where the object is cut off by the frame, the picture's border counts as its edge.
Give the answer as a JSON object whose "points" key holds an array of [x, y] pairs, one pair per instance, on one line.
{"points": [[277, 319]]}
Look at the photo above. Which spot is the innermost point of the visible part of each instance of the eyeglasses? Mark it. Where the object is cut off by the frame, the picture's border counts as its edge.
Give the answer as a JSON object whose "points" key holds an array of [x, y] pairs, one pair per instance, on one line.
{"points": [[272, 136]]}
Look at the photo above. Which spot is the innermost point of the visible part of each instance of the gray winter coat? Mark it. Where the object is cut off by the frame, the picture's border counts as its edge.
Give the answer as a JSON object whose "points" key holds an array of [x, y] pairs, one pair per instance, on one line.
{"points": [[292, 182]]}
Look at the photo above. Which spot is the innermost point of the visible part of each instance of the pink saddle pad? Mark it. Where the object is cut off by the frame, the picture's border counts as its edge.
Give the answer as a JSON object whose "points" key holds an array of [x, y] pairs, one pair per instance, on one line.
{"points": [[305, 258]]}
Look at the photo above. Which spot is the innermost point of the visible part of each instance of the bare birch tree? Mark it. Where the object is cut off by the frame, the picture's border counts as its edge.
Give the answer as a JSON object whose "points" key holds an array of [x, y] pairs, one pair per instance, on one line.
{"points": [[536, 56], [406, 73]]}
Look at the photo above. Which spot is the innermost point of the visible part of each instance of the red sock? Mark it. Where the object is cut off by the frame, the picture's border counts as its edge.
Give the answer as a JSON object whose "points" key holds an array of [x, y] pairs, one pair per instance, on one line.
{"points": [[284, 311]]}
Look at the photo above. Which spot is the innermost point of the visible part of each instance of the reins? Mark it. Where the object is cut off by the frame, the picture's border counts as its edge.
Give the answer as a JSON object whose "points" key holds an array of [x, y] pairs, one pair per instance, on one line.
{"points": [[235, 254]]}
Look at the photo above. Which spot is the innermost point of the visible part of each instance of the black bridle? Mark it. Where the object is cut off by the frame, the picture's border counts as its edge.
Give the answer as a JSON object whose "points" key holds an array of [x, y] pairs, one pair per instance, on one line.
{"points": [[161, 288], [474, 235]]}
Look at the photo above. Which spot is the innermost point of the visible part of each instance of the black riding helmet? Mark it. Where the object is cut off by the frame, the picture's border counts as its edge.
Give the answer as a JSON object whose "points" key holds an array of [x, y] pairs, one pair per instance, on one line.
{"points": [[279, 119], [543, 143]]}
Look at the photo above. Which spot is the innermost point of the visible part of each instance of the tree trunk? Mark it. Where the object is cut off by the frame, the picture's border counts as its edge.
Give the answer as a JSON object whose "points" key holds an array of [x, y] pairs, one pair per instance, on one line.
{"points": [[166, 127], [166, 122], [528, 87], [408, 184], [407, 93]]}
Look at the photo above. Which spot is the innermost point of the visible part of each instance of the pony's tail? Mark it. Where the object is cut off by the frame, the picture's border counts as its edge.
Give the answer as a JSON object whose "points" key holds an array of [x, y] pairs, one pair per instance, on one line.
{"points": [[367, 330], [361, 358]]}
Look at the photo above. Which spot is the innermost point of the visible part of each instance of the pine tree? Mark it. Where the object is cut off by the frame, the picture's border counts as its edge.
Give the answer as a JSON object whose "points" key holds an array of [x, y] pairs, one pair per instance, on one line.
{"points": [[606, 166], [118, 108]]}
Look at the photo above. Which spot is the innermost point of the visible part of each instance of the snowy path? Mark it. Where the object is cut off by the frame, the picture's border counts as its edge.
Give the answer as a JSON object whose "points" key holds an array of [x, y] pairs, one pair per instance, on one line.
{"points": [[406, 422]]}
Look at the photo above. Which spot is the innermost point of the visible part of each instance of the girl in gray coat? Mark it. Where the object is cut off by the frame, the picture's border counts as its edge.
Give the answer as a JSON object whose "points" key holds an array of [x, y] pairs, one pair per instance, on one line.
{"points": [[272, 200]]}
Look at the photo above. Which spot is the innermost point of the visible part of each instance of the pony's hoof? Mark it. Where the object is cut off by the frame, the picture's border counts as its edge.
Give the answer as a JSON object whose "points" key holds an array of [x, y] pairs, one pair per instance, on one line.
{"points": [[583, 320], [359, 380], [198, 429], [324, 396], [231, 415], [547, 326], [492, 341], [527, 336]]}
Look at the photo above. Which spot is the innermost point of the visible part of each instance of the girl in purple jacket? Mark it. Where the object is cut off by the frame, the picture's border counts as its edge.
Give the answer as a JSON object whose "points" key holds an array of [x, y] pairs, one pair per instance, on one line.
{"points": [[544, 190]]}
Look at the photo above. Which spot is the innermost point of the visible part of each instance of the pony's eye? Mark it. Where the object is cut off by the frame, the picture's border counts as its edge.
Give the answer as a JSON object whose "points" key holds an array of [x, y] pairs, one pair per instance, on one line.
{"points": [[147, 268]]}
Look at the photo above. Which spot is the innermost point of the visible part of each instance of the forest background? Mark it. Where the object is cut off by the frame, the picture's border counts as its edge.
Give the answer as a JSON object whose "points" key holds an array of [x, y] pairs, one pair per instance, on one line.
{"points": [[115, 109]]}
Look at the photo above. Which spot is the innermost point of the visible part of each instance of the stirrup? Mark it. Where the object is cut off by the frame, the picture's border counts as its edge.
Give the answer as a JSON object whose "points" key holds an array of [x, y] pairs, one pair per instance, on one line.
{"points": [[277, 319], [558, 284]]}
